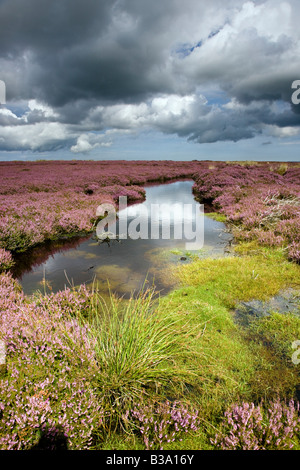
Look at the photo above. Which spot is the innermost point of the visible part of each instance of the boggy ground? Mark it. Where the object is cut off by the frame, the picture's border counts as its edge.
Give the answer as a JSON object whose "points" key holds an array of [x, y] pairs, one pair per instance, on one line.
{"points": [[179, 372]]}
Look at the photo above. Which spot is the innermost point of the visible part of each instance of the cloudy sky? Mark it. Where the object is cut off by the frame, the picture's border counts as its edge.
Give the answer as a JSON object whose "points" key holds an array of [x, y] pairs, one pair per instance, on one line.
{"points": [[134, 79]]}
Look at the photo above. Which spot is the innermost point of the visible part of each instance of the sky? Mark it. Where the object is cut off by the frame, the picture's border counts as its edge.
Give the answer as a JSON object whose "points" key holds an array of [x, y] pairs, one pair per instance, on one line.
{"points": [[141, 80]]}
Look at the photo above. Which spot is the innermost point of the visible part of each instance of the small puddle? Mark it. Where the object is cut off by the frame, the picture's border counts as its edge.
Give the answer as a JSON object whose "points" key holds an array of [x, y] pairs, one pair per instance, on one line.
{"points": [[124, 264], [287, 301]]}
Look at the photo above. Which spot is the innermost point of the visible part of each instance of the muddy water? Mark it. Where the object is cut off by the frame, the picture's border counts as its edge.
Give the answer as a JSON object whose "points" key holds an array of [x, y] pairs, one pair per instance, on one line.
{"points": [[124, 264]]}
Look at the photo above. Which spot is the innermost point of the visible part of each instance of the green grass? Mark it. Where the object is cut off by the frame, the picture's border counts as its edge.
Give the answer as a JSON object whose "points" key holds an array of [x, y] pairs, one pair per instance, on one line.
{"points": [[242, 278], [224, 361], [138, 350], [216, 216]]}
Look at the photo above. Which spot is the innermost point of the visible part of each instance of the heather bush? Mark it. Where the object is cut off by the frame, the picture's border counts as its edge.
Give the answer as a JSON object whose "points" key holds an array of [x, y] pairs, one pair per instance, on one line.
{"points": [[69, 302], [48, 386], [260, 203], [30, 410], [166, 422], [6, 260], [294, 251], [251, 427]]}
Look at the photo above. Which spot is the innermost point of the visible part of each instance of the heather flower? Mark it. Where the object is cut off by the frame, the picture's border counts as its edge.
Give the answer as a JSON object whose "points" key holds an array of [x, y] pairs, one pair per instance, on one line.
{"points": [[250, 427], [50, 369], [33, 409], [164, 422], [6, 260], [261, 203]]}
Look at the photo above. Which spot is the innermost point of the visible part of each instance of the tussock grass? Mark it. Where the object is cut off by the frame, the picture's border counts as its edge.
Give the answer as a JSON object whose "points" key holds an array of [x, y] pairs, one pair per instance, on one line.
{"points": [[138, 349]]}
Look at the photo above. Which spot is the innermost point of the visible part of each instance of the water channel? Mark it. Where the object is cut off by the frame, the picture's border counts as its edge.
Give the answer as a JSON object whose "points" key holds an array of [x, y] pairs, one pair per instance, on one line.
{"points": [[125, 264]]}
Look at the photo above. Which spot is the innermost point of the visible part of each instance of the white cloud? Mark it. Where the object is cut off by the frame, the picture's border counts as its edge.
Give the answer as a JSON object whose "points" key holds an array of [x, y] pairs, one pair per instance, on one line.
{"points": [[47, 111], [38, 136], [282, 132], [84, 144], [161, 111]]}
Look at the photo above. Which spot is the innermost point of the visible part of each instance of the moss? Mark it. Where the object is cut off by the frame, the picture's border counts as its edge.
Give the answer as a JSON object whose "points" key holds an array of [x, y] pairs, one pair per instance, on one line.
{"points": [[278, 332], [234, 279], [223, 361], [216, 216]]}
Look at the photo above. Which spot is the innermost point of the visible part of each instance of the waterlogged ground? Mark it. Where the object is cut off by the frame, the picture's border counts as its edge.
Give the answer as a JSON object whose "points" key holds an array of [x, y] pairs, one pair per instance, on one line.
{"points": [[285, 302], [213, 364], [125, 264]]}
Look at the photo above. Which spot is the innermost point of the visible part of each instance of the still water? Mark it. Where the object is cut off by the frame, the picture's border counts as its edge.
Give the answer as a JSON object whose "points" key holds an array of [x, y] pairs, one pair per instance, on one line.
{"points": [[125, 264]]}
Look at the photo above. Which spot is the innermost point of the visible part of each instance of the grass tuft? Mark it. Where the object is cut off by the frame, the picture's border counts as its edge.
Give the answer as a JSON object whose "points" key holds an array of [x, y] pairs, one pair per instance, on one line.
{"points": [[138, 349]]}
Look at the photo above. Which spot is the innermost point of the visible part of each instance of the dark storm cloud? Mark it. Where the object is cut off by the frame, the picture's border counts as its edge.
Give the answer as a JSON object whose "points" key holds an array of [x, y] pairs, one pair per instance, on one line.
{"points": [[70, 49], [38, 37], [67, 50], [43, 25], [130, 65]]}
